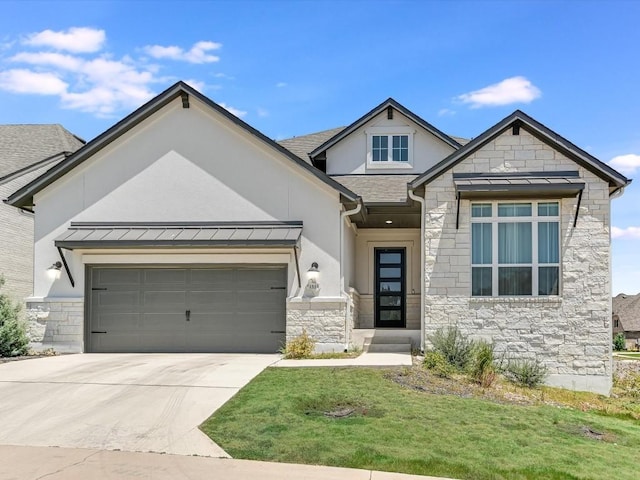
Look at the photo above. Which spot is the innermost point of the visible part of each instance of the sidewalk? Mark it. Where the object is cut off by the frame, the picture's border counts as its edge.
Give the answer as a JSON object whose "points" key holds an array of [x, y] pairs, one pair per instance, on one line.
{"points": [[32, 463], [364, 360]]}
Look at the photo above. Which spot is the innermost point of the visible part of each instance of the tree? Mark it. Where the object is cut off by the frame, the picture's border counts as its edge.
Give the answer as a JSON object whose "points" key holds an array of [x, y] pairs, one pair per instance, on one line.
{"points": [[14, 340]]}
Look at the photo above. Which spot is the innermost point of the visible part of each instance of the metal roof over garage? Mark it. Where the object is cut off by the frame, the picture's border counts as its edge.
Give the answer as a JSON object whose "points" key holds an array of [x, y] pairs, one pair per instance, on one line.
{"points": [[86, 235]]}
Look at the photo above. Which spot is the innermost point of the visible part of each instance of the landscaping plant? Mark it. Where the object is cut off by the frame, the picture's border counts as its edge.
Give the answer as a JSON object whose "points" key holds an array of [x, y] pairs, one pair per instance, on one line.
{"points": [[619, 343], [483, 368], [452, 344], [301, 346], [436, 362], [526, 373], [13, 332]]}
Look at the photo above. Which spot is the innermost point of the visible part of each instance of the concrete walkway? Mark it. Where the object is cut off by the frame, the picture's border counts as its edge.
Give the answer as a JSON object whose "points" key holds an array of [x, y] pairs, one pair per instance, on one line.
{"points": [[33, 463], [364, 360]]}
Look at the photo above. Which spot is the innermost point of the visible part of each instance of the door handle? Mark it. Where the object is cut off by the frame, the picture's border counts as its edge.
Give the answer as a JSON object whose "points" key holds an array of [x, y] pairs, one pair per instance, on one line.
{"points": [[188, 315]]}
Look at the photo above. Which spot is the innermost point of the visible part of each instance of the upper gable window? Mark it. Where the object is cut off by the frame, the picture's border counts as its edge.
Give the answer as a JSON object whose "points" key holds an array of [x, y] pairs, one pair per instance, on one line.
{"points": [[389, 147]]}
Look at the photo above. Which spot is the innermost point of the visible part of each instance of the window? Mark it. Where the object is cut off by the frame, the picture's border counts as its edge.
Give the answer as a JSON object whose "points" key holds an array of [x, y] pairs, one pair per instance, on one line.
{"points": [[389, 147], [399, 151], [515, 248]]}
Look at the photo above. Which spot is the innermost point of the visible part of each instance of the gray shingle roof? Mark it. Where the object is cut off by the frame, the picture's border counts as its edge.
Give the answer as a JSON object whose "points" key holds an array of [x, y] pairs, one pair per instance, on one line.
{"points": [[627, 307], [24, 145], [304, 144], [377, 188]]}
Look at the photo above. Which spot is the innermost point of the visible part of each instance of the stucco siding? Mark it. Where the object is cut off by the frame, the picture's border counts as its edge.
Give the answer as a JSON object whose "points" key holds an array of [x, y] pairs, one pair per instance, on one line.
{"points": [[188, 165], [349, 155], [570, 333]]}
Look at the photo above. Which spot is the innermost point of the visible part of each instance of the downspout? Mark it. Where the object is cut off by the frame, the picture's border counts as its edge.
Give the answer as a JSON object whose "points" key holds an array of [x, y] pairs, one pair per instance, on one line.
{"points": [[421, 201], [344, 293]]}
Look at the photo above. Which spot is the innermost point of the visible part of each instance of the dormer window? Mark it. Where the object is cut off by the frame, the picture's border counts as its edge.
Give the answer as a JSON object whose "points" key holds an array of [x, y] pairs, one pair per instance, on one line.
{"points": [[389, 147]]}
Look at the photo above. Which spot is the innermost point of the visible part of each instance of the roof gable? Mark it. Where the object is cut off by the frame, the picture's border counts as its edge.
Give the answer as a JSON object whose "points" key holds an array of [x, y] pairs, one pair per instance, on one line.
{"points": [[538, 130], [24, 196], [389, 103]]}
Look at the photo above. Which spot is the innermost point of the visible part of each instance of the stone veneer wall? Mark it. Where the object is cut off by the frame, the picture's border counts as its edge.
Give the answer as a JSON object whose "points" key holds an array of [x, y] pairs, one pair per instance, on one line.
{"points": [[322, 319], [571, 333], [58, 324]]}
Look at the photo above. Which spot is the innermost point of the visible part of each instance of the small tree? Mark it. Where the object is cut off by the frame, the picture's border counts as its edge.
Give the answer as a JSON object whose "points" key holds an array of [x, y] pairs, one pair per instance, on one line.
{"points": [[619, 343], [14, 340]]}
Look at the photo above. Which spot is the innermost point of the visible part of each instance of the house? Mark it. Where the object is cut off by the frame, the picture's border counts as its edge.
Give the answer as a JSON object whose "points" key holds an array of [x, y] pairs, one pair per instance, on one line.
{"points": [[182, 228], [626, 319], [26, 152]]}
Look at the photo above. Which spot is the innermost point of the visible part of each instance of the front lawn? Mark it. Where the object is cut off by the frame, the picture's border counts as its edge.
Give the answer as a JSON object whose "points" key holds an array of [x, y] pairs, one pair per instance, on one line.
{"points": [[627, 355], [365, 418]]}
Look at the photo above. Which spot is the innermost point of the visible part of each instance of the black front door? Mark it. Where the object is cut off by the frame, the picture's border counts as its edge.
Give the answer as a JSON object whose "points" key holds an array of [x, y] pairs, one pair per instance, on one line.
{"points": [[390, 287]]}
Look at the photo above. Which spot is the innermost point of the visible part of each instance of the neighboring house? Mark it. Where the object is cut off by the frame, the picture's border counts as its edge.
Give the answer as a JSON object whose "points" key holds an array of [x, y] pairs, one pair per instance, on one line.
{"points": [[26, 152], [185, 229], [626, 319]]}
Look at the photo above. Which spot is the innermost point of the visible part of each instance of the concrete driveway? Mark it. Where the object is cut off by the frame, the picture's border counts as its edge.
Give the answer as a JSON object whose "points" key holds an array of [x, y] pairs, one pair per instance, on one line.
{"points": [[131, 402]]}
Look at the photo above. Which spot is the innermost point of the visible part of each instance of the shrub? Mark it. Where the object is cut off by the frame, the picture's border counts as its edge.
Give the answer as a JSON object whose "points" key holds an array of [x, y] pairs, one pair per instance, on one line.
{"points": [[483, 369], [436, 362], [619, 343], [453, 346], [301, 346], [628, 383], [526, 373], [14, 340]]}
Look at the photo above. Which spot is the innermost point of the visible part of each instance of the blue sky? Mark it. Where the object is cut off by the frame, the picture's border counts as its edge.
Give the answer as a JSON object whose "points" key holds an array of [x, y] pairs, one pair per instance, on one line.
{"points": [[295, 67]]}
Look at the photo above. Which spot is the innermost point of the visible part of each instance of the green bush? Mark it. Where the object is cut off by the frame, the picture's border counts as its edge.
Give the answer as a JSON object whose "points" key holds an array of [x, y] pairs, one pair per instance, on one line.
{"points": [[483, 368], [436, 362], [301, 346], [13, 332], [619, 343], [526, 373], [453, 346]]}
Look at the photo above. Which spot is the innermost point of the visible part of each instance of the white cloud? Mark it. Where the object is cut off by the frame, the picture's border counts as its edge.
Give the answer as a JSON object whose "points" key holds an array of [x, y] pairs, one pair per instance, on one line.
{"points": [[626, 164], [281, 84], [60, 60], [75, 39], [627, 233], [508, 91], [263, 112], [197, 54], [446, 112], [234, 111], [26, 81]]}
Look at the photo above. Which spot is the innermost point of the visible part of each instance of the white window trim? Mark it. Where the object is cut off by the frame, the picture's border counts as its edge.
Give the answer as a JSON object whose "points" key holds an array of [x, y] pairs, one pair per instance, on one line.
{"points": [[389, 132], [534, 219]]}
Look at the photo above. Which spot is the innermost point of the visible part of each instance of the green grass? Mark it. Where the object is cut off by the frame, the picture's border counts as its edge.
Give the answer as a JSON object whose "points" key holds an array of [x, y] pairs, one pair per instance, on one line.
{"points": [[279, 417], [628, 355]]}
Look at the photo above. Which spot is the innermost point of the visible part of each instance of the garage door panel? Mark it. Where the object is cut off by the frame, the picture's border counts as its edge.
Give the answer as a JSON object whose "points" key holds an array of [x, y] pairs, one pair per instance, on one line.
{"points": [[160, 276], [116, 276], [232, 309]]}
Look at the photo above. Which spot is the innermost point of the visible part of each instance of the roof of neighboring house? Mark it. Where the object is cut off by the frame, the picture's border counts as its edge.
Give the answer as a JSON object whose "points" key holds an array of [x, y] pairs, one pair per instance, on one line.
{"points": [[536, 129], [627, 307], [24, 196], [21, 146], [304, 144], [377, 188], [390, 102]]}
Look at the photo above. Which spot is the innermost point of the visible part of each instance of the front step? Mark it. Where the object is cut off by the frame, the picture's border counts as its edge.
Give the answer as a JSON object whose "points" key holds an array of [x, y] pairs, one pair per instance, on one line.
{"points": [[379, 344]]}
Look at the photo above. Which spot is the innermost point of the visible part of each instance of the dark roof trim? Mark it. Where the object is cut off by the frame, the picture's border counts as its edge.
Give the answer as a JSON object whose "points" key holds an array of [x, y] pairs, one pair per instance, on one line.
{"points": [[34, 166], [390, 102], [559, 173], [24, 196], [538, 130]]}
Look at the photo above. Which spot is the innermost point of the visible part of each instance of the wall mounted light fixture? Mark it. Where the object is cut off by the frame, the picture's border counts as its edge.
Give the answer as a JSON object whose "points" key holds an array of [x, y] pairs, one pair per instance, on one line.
{"points": [[54, 271], [313, 272]]}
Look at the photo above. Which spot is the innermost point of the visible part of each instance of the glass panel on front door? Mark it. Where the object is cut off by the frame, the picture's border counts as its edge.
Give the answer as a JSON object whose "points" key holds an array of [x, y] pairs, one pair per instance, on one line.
{"points": [[390, 290]]}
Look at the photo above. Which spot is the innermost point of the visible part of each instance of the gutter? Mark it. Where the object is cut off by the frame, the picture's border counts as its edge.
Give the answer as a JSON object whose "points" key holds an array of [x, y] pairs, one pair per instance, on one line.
{"points": [[343, 291], [421, 201]]}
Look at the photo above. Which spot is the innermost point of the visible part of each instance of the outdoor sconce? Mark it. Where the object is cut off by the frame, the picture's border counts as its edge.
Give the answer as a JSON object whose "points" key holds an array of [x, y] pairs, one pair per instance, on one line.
{"points": [[54, 271], [313, 272]]}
